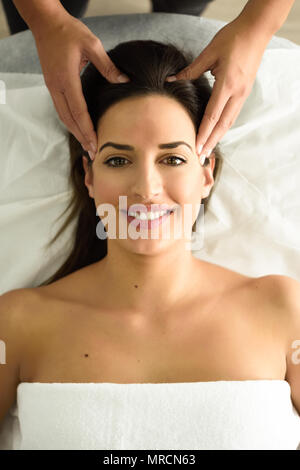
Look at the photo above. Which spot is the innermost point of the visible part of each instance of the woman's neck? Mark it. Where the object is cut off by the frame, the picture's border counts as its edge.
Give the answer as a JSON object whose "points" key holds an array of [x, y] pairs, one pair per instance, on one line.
{"points": [[148, 283]]}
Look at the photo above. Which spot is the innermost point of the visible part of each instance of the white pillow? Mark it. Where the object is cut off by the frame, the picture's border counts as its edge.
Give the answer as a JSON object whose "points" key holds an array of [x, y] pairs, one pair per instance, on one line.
{"points": [[33, 182], [253, 218], [253, 221]]}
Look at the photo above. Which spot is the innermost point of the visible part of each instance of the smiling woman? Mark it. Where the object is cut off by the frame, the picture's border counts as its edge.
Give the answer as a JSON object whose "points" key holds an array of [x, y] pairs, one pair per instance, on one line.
{"points": [[126, 109], [133, 331]]}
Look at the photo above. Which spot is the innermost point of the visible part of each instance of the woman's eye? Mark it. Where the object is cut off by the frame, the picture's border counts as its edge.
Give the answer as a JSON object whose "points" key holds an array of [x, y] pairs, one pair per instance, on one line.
{"points": [[176, 158], [172, 157], [114, 158]]}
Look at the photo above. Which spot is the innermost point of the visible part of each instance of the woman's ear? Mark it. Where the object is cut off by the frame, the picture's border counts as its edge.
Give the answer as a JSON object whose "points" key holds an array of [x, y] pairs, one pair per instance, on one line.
{"points": [[88, 179], [208, 171]]}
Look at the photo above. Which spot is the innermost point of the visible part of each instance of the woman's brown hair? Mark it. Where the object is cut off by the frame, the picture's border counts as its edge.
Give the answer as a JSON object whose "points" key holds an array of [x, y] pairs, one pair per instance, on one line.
{"points": [[147, 64]]}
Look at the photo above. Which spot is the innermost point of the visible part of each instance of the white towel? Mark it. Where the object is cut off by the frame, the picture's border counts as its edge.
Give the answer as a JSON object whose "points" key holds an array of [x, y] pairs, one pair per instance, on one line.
{"points": [[248, 414]]}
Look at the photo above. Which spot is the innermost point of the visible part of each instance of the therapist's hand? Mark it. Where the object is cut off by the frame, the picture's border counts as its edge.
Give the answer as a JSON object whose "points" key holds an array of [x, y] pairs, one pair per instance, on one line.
{"points": [[65, 46], [233, 57]]}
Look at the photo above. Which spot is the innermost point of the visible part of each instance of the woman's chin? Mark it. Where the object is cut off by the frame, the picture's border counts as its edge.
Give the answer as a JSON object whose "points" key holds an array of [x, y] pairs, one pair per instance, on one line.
{"points": [[147, 247]]}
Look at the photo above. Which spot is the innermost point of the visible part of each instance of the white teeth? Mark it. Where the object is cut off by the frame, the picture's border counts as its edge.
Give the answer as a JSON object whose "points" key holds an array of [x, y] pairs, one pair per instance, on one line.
{"points": [[148, 215]]}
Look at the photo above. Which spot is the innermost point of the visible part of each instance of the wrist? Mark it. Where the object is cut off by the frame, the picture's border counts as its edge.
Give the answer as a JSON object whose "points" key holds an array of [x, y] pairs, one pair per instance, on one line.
{"points": [[253, 30], [265, 17], [47, 18]]}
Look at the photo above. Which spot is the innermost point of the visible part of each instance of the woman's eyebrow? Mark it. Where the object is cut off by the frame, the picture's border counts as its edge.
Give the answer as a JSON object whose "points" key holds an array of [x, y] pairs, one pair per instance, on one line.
{"points": [[170, 145]]}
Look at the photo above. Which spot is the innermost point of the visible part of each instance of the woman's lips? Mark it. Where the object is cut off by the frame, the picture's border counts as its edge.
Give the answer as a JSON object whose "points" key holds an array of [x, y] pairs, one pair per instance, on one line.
{"points": [[148, 224]]}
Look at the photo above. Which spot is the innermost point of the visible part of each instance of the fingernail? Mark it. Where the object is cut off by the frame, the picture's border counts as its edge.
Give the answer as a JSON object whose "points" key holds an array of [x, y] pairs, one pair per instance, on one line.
{"points": [[93, 146], [92, 156], [172, 78], [199, 148], [123, 78], [209, 152], [202, 160]]}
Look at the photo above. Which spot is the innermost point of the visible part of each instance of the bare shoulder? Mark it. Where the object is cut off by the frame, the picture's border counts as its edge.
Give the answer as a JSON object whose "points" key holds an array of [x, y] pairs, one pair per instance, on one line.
{"points": [[11, 321], [272, 300], [16, 305], [12, 304], [17, 309], [14, 328], [21, 315], [26, 319], [282, 294], [286, 293]]}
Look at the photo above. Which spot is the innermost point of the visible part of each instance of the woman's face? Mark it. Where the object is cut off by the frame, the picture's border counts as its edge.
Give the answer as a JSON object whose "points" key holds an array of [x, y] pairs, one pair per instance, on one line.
{"points": [[147, 173]]}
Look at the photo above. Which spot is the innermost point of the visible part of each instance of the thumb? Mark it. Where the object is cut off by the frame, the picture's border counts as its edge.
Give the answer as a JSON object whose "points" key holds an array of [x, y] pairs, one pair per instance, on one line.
{"points": [[200, 65], [98, 56]]}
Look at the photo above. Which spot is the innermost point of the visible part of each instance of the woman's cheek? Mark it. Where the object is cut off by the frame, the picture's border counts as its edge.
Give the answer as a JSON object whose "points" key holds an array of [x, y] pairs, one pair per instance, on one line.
{"points": [[107, 190], [188, 185]]}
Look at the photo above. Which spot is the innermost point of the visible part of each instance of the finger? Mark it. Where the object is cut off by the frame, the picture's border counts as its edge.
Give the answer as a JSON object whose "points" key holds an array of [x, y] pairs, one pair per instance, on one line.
{"points": [[215, 106], [65, 115], [200, 65], [79, 112], [227, 119], [98, 56]]}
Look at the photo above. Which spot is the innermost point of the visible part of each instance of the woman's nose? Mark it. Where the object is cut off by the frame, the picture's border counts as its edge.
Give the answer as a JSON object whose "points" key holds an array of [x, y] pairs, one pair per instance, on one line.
{"points": [[147, 183]]}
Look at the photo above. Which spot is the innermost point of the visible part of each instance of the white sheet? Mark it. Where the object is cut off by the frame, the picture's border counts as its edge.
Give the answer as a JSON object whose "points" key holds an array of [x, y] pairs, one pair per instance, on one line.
{"points": [[253, 222]]}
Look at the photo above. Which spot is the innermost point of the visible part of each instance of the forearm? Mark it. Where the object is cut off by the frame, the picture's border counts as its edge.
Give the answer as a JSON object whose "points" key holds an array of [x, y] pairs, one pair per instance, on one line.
{"points": [[266, 16], [36, 13]]}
